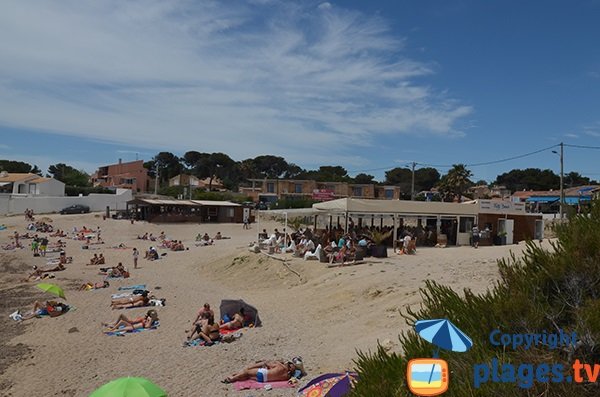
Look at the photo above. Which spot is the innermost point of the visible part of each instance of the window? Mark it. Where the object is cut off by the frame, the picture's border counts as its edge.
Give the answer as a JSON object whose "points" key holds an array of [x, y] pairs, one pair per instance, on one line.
{"points": [[270, 187], [213, 211], [357, 191], [466, 224], [230, 212], [389, 194], [298, 188], [32, 188]]}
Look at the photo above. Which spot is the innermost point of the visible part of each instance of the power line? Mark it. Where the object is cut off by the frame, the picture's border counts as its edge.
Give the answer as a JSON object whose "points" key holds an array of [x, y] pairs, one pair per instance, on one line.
{"points": [[582, 146], [479, 164]]}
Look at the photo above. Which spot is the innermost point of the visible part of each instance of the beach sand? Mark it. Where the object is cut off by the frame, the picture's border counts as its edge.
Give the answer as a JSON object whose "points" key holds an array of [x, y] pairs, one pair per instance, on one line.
{"points": [[322, 314]]}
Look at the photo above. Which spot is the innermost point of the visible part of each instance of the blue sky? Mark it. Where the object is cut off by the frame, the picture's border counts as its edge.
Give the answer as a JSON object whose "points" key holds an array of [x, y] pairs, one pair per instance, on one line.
{"points": [[366, 85]]}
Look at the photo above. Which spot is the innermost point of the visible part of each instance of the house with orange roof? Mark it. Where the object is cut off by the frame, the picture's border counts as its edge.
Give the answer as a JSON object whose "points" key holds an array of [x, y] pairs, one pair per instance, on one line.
{"points": [[30, 184]]}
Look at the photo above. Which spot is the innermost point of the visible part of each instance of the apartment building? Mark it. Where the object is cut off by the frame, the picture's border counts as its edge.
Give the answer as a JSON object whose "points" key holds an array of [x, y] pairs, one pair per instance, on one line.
{"points": [[272, 190], [130, 175]]}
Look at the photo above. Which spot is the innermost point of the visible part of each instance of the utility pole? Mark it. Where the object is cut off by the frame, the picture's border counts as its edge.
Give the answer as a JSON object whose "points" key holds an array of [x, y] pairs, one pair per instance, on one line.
{"points": [[412, 184], [562, 191]]}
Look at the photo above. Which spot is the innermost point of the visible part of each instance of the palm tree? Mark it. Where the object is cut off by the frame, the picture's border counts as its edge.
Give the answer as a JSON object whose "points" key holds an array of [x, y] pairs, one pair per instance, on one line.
{"points": [[455, 182]]}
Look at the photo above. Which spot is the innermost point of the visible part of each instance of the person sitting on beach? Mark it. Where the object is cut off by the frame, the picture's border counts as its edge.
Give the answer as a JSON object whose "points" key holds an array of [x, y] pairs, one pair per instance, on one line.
{"points": [[209, 331], [90, 286], [151, 254], [162, 236], [144, 237], [199, 320], [131, 301], [101, 260], [50, 308], [116, 271], [265, 371], [125, 324], [218, 236], [236, 323], [177, 246], [93, 261]]}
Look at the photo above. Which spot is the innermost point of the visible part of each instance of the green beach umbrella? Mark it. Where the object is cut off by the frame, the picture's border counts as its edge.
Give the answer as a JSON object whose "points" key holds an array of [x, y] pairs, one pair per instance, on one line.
{"points": [[53, 289], [129, 387]]}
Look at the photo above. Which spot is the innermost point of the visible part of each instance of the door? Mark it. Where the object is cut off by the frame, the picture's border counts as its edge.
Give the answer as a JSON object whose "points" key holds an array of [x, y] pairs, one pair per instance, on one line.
{"points": [[539, 229], [506, 229]]}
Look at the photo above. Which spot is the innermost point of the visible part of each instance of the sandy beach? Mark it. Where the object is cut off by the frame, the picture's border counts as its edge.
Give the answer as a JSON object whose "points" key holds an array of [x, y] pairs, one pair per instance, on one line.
{"points": [[322, 314]]}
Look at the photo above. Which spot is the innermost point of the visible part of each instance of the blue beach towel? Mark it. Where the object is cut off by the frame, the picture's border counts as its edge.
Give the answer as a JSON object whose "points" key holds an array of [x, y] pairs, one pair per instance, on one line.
{"points": [[139, 286]]}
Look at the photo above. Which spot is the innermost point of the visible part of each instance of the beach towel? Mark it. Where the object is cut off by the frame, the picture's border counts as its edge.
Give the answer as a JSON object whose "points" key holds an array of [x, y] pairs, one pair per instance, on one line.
{"points": [[199, 342], [135, 331], [252, 384], [139, 286]]}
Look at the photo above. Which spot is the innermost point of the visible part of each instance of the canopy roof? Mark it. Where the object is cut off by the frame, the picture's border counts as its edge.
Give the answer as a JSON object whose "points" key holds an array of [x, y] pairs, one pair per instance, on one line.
{"points": [[187, 203], [364, 206]]}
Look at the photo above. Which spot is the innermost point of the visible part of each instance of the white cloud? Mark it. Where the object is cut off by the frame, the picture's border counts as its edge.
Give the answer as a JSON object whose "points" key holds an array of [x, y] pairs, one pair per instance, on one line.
{"points": [[254, 78], [571, 135]]}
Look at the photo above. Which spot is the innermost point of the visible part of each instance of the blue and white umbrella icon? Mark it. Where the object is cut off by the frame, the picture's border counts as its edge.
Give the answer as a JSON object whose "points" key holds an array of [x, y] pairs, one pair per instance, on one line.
{"points": [[443, 334]]}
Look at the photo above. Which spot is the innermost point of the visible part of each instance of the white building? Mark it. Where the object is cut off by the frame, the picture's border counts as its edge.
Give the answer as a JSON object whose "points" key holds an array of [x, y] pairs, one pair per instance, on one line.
{"points": [[30, 184]]}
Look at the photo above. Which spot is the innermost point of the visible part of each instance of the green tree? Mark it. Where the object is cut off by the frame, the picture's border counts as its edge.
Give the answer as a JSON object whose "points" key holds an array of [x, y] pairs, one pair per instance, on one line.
{"points": [[529, 179], [575, 179], [19, 167], [456, 182], [168, 165], [364, 178], [269, 166], [328, 173], [425, 178], [69, 175]]}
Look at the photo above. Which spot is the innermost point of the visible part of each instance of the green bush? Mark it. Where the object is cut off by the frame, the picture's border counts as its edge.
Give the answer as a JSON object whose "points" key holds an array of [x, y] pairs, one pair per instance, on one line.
{"points": [[543, 291], [288, 203], [77, 190]]}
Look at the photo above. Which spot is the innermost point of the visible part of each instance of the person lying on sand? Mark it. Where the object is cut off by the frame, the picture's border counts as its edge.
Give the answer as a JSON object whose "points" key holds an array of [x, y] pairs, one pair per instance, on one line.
{"points": [[90, 286], [39, 273], [264, 371], [131, 301], [125, 324], [51, 308], [237, 321]]}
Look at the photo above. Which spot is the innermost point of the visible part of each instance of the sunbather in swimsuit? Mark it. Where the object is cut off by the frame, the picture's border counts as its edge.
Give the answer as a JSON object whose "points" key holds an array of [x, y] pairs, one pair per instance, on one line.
{"points": [[125, 324]]}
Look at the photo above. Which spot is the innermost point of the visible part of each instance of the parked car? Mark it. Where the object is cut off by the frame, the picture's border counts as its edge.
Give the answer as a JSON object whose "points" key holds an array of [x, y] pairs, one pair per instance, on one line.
{"points": [[75, 209]]}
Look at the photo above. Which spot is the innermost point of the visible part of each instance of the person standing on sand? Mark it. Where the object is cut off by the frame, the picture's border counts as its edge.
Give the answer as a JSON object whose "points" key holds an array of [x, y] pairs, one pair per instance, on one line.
{"points": [[136, 254], [475, 236]]}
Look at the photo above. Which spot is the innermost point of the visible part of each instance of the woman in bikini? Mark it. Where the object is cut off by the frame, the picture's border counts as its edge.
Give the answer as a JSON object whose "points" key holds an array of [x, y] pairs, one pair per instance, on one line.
{"points": [[125, 324], [207, 330], [132, 301]]}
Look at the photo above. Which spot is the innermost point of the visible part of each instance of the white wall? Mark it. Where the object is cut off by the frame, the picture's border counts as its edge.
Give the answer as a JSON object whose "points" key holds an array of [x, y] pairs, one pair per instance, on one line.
{"points": [[51, 187], [10, 204]]}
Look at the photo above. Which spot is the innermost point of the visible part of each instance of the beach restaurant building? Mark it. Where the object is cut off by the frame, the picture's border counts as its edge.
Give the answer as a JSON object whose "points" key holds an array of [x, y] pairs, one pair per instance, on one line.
{"points": [[202, 211], [501, 222]]}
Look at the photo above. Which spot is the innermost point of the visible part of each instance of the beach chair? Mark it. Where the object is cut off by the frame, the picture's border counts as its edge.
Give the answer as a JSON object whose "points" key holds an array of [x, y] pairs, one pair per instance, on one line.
{"points": [[291, 247], [314, 255]]}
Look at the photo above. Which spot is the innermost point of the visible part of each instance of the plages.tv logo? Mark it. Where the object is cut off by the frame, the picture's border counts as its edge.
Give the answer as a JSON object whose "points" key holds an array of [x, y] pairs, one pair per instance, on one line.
{"points": [[430, 376]]}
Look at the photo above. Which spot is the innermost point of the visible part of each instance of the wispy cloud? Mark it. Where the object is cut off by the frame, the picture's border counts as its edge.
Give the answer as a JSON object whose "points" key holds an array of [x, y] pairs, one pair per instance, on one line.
{"points": [[258, 77], [571, 135]]}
